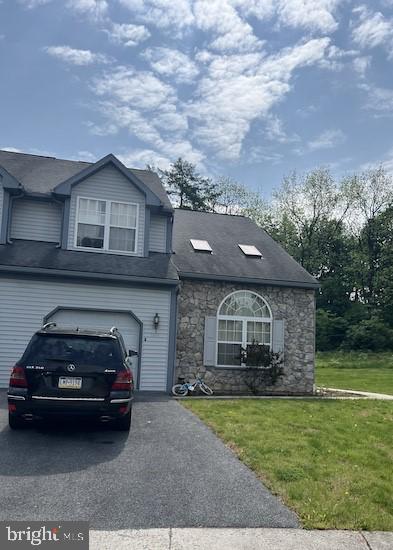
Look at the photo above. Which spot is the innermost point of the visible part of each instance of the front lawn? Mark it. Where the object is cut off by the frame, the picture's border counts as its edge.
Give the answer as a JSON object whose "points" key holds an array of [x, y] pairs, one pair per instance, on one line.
{"points": [[330, 461], [355, 371]]}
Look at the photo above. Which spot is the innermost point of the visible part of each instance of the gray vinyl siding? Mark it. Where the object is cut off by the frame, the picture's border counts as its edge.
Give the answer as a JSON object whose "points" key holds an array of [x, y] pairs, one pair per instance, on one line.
{"points": [[24, 303], [36, 220], [158, 225], [108, 184]]}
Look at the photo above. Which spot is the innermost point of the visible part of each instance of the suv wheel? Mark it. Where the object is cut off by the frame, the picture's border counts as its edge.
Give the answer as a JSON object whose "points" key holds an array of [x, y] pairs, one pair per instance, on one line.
{"points": [[123, 424], [16, 422]]}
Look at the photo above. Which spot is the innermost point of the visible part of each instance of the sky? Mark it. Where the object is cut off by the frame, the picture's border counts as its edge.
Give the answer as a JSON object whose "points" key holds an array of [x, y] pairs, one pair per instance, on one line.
{"points": [[250, 89]]}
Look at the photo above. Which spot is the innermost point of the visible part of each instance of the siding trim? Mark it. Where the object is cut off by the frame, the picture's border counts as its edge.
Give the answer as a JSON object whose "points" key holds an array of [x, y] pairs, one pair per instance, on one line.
{"points": [[104, 310], [65, 223], [169, 230], [147, 232], [5, 217], [172, 339]]}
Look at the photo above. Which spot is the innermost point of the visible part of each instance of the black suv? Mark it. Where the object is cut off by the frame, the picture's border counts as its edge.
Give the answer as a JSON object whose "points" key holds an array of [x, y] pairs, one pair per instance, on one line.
{"points": [[72, 372]]}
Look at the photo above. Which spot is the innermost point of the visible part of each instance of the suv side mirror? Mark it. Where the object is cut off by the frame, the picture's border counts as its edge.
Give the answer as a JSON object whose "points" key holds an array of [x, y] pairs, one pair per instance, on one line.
{"points": [[132, 353]]}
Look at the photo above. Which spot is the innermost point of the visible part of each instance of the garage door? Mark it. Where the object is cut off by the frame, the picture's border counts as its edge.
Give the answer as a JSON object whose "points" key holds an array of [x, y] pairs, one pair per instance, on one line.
{"points": [[92, 319]]}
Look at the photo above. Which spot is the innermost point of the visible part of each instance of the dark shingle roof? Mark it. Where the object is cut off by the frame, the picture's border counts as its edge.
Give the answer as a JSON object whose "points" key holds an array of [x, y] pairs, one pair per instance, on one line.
{"points": [[40, 174], [227, 262], [35, 255]]}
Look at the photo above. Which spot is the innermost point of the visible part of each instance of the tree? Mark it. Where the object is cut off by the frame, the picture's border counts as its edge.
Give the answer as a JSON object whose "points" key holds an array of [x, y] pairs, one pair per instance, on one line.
{"points": [[308, 209], [369, 194], [383, 290], [187, 188]]}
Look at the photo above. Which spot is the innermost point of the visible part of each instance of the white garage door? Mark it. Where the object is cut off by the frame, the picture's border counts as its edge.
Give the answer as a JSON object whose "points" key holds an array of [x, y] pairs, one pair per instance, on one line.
{"points": [[127, 325]]}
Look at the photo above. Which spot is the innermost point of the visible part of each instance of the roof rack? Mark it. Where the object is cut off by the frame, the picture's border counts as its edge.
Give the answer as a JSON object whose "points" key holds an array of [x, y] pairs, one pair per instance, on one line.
{"points": [[48, 325]]}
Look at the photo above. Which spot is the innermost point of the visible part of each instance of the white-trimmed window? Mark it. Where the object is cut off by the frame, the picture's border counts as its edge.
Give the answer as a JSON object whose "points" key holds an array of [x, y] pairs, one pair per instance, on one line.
{"points": [[106, 225], [244, 319]]}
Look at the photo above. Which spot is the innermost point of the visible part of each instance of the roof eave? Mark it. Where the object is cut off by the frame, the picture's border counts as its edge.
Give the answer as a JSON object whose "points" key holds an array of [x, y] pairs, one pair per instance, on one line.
{"points": [[250, 280], [87, 275]]}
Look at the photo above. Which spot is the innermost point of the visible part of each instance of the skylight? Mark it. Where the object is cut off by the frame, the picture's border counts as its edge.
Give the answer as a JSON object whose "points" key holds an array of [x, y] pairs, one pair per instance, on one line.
{"points": [[201, 246], [250, 250]]}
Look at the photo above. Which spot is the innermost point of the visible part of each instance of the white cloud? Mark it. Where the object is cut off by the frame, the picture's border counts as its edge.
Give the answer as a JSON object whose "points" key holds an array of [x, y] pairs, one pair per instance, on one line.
{"points": [[239, 89], [142, 89], [147, 108], [335, 58], [361, 64], [372, 28], [87, 156], [139, 158], [275, 131], [33, 3], [378, 99], [230, 31], [94, 8], [174, 15], [169, 62], [11, 149], [74, 56], [309, 14], [127, 33], [327, 140]]}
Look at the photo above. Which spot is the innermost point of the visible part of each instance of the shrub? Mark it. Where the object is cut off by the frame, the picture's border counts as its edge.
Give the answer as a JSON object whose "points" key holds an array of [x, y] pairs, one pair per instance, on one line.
{"points": [[370, 334], [263, 367], [331, 330]]}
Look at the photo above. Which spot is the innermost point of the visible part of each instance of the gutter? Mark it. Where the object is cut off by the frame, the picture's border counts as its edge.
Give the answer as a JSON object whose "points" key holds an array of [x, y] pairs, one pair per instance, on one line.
{"points": [[249, 280]]}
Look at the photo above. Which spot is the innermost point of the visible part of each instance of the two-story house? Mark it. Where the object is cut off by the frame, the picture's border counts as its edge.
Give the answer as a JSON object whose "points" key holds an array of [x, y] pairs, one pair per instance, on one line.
{"points": [[100, 245]]}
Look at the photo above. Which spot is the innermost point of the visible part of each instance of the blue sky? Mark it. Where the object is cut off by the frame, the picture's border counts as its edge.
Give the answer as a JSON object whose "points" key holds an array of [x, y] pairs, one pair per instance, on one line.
{"points": [[251, 89]]}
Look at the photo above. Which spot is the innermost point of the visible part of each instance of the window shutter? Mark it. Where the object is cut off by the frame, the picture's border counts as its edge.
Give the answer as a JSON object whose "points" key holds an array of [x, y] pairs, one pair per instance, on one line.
{"points": [[278, 335], [209, 344]]}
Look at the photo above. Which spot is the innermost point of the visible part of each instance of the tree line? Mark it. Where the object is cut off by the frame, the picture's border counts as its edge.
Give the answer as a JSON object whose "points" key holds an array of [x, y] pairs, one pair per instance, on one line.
{"points": [[340, 231]]}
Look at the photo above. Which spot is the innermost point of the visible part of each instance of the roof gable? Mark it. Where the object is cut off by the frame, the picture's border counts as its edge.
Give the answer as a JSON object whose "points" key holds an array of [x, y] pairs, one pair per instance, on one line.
{"points": [[39, 175], [66, 186]]}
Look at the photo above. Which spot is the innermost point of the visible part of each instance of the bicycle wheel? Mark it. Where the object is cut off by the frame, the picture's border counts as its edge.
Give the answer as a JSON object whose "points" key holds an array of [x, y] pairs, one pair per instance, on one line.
{"points": [[205, 389], [180, 390]]}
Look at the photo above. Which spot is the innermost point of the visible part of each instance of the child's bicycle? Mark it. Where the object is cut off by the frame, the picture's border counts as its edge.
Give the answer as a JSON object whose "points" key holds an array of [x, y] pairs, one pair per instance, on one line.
{"points": [[181, 390]]}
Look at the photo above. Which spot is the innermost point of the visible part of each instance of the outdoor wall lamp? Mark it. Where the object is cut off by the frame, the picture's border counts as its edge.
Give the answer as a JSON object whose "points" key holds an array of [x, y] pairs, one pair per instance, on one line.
{"points": [[156, 321]]}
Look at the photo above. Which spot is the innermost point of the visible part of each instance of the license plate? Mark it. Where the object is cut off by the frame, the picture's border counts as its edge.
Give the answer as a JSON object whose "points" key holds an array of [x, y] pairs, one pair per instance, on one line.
{"points": [[70, 383]]}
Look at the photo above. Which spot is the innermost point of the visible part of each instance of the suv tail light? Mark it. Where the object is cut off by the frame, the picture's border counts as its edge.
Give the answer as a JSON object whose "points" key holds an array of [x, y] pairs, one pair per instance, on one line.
{"points": [[18, 377], [123, 381]]}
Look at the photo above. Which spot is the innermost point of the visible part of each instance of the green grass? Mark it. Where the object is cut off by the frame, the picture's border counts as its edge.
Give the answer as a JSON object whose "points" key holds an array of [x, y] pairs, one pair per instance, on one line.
{"points": [[330, 461], [356, 371]]}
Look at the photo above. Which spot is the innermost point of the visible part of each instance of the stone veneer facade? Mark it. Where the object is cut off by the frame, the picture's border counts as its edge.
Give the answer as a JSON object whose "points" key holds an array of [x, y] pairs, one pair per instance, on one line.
{"points": [[198, 299]]}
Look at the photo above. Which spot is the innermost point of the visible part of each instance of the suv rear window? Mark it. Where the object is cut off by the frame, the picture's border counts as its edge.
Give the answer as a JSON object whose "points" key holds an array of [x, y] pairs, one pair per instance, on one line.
{"points": [[83, 350]]}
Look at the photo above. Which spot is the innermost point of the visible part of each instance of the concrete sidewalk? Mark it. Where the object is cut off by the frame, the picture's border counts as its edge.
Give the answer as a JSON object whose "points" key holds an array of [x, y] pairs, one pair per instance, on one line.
{"points": [[367, 394], [239, 539]]}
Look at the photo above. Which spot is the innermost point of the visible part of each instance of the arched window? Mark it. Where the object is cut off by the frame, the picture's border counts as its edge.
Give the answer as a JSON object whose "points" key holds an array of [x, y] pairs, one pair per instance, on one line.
{"points": [[244, 318]]}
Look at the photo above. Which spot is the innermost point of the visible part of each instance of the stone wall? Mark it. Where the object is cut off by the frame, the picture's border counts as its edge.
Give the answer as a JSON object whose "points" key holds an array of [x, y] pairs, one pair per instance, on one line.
{"points": [[198, 299]]}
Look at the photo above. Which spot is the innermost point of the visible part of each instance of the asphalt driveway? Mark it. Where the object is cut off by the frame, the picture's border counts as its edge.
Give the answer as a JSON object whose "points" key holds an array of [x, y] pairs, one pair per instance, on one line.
{"points": [[171, 471]]}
